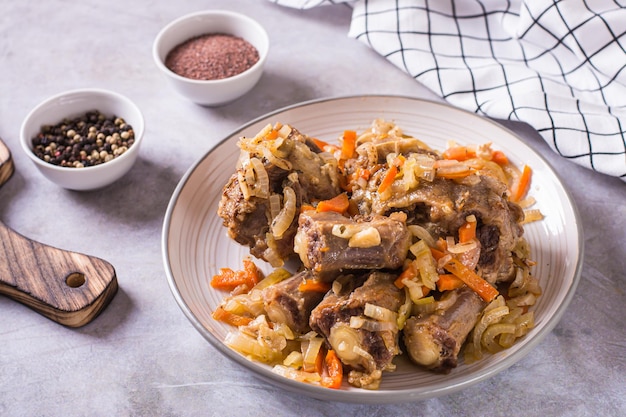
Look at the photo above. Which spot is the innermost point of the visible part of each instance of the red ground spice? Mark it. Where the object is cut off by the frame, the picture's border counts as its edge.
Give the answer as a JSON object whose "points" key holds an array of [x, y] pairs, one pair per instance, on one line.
{"points": [[212, 57]]}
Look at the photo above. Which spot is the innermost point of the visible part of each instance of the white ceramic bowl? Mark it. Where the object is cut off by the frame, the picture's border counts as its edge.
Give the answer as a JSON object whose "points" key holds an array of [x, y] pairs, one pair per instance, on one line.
{"points": [[72, 104], [211, 92]]}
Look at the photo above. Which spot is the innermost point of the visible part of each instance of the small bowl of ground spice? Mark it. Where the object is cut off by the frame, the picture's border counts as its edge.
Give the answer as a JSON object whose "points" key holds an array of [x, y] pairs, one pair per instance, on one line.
{"points": [[212, 57], [83, 139]]}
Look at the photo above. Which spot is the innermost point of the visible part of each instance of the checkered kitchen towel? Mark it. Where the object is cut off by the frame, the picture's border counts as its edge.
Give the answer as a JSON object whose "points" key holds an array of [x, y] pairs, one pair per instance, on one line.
{"points": [[559, 66]]}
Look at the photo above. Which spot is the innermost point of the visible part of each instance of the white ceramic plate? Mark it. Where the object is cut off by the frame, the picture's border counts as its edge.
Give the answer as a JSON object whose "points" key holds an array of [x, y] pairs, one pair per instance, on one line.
{"points": [[195, 244]]}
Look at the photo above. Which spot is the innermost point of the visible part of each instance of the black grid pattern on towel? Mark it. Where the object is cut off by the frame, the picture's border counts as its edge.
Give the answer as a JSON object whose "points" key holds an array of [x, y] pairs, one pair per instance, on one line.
{"points": [[559, 66]]}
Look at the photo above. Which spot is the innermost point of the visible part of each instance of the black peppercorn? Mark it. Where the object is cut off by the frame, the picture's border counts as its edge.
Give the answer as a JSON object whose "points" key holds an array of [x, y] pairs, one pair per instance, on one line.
{"points": [[87, 140]]}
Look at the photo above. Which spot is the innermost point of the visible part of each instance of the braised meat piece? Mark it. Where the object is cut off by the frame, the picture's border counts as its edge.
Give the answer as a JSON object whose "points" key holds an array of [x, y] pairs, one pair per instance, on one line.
{"points": [[443, 205], [361, 326], [278, 171], [329, 242], [434, 340], [248, 222], [285, 303]]}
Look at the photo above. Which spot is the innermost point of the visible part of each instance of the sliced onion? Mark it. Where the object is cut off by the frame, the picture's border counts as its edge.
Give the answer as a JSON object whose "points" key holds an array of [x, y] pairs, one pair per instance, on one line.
{"points": [[363, 353], [463, 247], [416, 291], [405, 309], [422, 234], [295, 374], [489, 317], [488, 339], [532, 215], [249, 174], [337, 286], [279, 162], [270, 254], [262, 183], [294, 359], [310, 350], [283, 220], [252, 347], [274, 201], [380, 313], [357, 322], [454, 168], [343, 231], [527, 202], [243, 186], [365, 238], [284, 131]]}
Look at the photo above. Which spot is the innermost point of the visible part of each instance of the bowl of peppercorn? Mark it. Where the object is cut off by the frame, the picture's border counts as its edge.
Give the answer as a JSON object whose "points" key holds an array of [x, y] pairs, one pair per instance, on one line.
{"points": [[212, 57], [83, 139]]}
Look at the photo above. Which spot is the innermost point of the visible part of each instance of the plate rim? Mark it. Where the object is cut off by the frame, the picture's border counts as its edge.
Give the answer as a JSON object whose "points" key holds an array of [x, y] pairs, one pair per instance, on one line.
{"points": [[367, 396]]}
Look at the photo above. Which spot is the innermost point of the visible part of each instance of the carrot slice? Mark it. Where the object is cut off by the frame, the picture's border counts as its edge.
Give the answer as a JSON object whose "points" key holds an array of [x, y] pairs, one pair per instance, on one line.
{"points": [[333, 374], [228, 279], [484, 289], [314, 285], [410, 272], [467, 231], [449, 282], [230, 318], [499, 158], [348, 144], [437, 254], [339, 203], [522, 185], [459, 153], [320, 143], [388, 179], [272, 134], [390, 176]]}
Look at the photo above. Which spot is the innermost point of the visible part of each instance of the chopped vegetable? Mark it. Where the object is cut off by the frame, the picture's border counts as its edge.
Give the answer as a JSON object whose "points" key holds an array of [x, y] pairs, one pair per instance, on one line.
{"points": [[348, 144], [272, 134], [410, 273], [484, 289], [314, 285], [286, 215], [499, 158], [230, 318], [340, 204], [449, 282], [229, 280], [312, 355], [521, 188], [296, 374], [274, 277], [467, 231], [425, 263], [390, 176], [333, 375], [452, 170], [532, 216], [321, 144], [437, 254], [459, 153]]}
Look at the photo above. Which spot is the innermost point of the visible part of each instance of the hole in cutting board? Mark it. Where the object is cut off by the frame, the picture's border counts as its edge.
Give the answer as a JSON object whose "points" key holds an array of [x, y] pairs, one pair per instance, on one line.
{"points": [[75, 279]]}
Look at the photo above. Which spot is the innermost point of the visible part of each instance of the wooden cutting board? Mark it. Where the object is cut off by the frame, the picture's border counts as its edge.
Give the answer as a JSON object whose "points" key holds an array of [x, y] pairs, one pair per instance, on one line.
{"points": [[68, 287]]}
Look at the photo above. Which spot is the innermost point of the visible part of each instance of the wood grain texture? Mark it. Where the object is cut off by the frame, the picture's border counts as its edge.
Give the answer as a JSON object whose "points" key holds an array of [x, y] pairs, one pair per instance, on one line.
{"points": [[68, 287], [6, 163]]}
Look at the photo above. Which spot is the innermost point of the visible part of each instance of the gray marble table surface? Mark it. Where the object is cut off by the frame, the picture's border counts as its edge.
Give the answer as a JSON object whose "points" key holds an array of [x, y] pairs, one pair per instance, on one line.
{"points": [[142, 357]]}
